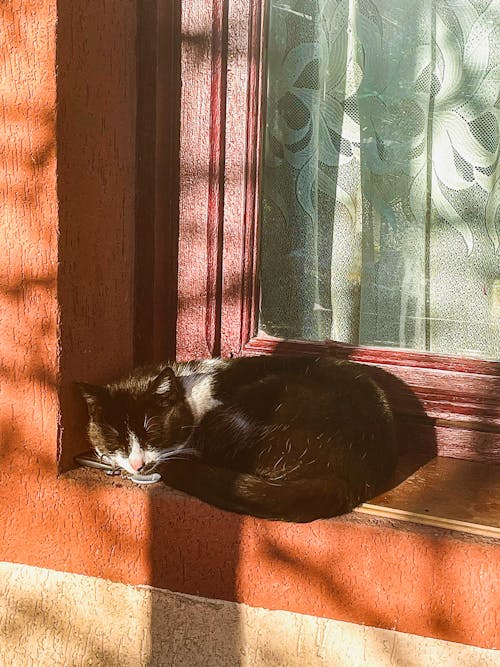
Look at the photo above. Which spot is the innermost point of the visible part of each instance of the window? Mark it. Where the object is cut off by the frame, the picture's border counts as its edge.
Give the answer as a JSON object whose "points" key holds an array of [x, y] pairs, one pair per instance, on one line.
{"points": [[225, 220], [380, 195]]}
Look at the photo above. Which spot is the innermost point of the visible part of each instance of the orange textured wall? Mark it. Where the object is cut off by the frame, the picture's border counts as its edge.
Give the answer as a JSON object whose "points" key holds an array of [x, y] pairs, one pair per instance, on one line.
{"points": [[67, 195], [28, 235], [96, 107], [67, 174], [67, 189]]}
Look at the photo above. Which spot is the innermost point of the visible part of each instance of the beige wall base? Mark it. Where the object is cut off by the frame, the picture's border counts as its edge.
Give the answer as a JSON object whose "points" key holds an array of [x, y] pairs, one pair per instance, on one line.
{"points": [[55, 619]]}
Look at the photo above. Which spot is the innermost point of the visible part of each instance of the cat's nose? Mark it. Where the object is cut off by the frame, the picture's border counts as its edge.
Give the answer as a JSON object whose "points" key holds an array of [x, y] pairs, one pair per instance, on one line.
{"points": [[136, 462]]}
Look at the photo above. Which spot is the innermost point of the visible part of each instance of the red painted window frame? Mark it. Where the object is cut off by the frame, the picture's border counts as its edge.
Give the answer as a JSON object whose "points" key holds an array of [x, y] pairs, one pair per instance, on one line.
{"points": [[200, 295]]}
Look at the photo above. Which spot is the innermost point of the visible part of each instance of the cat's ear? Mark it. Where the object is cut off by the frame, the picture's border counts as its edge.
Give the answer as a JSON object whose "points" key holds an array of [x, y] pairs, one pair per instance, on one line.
{"points": [[93, 394], [165, 385]]}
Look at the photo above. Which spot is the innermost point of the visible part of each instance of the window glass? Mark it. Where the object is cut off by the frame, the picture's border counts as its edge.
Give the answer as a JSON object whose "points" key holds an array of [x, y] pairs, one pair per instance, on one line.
{"points": [[380, 193]]}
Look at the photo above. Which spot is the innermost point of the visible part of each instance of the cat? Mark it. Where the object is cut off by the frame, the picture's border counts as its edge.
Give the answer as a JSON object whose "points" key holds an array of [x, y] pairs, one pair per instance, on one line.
{"points": [[283, 438]]}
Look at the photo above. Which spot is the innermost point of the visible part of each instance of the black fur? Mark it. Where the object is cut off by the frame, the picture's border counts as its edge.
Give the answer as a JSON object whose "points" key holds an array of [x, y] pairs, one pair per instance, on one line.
{"points": [[286, 438]]}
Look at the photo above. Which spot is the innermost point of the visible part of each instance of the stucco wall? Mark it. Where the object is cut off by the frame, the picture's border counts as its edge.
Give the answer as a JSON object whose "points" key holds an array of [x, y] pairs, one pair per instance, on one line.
{"points": [[95, 135], [67, 177], [28, 234], [53, 619]]}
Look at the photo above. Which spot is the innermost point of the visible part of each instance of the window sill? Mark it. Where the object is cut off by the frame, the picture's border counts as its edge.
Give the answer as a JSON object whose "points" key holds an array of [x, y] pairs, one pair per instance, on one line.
{"points": [[370, 570], [445, 493]]}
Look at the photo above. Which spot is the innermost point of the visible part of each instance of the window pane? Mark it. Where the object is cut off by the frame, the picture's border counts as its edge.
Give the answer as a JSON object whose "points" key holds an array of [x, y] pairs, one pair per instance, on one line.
{"points": [[380, 211]]}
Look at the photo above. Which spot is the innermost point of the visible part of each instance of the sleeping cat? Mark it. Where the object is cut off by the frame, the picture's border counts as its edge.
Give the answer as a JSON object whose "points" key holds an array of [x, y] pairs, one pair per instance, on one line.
{"points": [[284, 438]]}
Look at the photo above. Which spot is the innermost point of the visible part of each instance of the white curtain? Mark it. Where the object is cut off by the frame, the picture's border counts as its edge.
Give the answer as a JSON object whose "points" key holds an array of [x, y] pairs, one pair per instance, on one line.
{"points": [[380, 211]]}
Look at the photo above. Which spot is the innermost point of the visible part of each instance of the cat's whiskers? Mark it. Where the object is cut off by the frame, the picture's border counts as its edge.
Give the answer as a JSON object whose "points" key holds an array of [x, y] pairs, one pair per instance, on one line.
{"points": [[180, 455], [177, 452]]}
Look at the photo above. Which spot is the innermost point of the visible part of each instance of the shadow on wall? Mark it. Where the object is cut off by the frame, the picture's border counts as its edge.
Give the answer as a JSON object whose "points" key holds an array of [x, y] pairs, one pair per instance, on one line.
{"points": [[29, 363], [331, 576], [28, 237], [203, 545]]}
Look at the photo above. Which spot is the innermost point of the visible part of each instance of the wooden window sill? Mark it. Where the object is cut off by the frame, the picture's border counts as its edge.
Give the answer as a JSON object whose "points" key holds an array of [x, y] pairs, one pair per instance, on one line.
{"points": [[446, 493]]}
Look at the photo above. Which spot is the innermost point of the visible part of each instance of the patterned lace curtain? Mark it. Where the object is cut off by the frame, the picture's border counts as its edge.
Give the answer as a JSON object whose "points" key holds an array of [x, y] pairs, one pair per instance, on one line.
{"points": [[380, 211]]}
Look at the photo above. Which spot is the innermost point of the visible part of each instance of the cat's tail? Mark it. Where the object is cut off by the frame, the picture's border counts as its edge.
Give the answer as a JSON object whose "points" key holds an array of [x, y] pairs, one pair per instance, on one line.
{"points": [[293, 500]]}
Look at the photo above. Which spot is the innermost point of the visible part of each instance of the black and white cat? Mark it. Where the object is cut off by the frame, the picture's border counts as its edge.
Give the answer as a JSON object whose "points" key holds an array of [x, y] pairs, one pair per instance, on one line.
{"points": [[285, 438]]}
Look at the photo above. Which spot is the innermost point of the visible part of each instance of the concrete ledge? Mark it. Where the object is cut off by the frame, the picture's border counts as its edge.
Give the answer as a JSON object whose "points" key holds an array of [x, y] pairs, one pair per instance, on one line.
{"points": [[56, 619], [414, 579]]}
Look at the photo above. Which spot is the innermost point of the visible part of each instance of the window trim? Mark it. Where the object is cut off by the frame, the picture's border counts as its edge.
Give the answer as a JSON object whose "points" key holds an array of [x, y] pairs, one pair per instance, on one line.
{"points": [[456, 395], [158, 88]]}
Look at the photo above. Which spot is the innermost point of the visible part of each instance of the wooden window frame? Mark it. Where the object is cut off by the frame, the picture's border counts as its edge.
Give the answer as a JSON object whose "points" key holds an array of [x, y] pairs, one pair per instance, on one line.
{"points": [[220, 61]]}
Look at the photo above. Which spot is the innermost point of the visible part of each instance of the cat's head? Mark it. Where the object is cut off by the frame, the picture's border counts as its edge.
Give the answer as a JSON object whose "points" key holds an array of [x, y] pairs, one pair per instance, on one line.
{"points": [[133, 428]]}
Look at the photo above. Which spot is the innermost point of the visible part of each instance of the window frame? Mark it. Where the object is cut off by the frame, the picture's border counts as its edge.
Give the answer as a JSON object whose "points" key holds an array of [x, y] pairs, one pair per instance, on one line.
{"points": [[217, 232]]}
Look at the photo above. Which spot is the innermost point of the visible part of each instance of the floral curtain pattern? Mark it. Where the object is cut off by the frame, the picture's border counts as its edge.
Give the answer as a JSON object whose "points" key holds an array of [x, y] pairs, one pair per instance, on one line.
{"points": [[380, 211]]}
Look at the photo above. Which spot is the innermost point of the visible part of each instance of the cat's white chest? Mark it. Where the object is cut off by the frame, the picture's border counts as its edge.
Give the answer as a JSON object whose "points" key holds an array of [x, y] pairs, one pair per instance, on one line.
{"points": [[201, 399]]}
